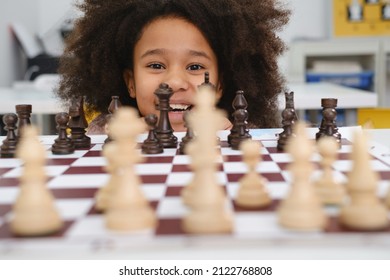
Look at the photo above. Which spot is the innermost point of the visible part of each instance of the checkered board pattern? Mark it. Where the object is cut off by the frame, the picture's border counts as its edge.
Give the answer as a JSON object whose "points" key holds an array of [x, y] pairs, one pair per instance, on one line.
{"points": [[74, 180]]}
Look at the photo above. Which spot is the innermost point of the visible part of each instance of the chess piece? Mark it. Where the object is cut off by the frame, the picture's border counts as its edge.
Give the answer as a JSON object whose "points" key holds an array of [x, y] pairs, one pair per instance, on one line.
{"points": [[34, 211], [329, 191], [355, 11], [127, 210], [207, 79], [78, 124], [24, 115], [63, 145], [252, 192], [387, 198], [194, 149], [189, 135], [151, 145], [164, 131], [8, 148], [364, 211], [239, 105], [242, 132], [301, 209], [103, 195], [288, 119], [328, 125], [207, 201], [114, 105], [386, 11]]}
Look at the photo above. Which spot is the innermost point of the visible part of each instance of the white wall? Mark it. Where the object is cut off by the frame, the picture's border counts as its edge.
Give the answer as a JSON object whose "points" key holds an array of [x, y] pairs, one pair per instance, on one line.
{"points": [[24, 11], [309, 20], [36, 16]]}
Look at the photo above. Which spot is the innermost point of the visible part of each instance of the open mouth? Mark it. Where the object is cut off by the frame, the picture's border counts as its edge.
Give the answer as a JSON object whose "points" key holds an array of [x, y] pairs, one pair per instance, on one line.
{"points": [[180, 107]]}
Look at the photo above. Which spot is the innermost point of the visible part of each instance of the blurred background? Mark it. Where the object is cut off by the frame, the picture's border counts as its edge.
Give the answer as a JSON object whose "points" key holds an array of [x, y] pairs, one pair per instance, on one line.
{"points": [[345, 42]]}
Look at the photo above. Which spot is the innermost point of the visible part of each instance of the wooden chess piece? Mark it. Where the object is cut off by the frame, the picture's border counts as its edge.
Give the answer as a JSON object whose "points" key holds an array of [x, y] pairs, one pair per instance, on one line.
{"points": [[151, 145], [164, 131], [252, 192], [188, 137], [302, 208], [34, 211], [8, 148], [78, 124], [387, 198], [208, 213], [63, 145], [103, 195], [329, 191], [24, 116], [114, 105], [241, 130], [328, 125], [289, 117], [364, 211], [128, 209], [239, 102]]}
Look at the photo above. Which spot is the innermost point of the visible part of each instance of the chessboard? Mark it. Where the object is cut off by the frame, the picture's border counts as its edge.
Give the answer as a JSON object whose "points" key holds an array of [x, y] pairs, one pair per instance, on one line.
{"points": [[74, 179]]}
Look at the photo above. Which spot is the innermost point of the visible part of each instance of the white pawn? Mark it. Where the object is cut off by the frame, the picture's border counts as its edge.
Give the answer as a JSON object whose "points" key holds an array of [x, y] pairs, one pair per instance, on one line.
{"points": [[252, 192], [387, 198], [208, 213], [364, 210], [34, 212], [102, 196], [301, 209], [127, 210], [329, 191]]}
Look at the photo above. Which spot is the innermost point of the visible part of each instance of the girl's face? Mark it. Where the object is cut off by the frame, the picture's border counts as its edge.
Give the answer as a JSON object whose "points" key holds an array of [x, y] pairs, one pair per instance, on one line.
{"points": [[172, 51]]}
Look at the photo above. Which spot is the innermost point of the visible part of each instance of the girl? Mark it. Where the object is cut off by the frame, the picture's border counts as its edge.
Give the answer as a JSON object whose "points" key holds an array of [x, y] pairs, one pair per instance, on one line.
{"points": [[129, 47]]}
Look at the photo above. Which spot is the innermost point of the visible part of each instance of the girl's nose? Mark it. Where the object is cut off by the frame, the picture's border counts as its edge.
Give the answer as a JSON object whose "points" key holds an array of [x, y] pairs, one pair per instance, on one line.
{"points": [[177, 80]]}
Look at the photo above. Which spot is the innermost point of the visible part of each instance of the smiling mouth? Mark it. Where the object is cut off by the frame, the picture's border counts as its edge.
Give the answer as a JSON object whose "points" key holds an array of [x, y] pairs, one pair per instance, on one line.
{"points": [[180, 107]]}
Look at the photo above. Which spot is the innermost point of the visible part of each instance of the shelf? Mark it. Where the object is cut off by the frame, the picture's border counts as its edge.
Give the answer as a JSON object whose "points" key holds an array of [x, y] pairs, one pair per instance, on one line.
{"points": [[371, 53]]}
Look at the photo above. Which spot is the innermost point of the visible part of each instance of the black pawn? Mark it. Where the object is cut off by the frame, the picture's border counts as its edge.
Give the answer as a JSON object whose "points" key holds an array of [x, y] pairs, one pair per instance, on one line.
{"points": [[189, 134], [328, 125], [78, 124], [114, 105], [289, 118], [242, 133], [63, 145], [207, 81], [8, 148], [151, 145], [24, 114], [164, 131], [239, 102]]}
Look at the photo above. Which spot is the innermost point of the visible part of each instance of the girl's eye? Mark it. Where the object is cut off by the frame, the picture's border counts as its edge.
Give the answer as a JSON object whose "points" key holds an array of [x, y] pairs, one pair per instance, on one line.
{"points": [[195, 67], [157, 66]]}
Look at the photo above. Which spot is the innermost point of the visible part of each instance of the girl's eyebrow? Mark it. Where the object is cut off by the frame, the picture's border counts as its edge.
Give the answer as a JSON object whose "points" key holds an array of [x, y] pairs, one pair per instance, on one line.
{"points": [[153, 52], [163, 51], [199, 53]]}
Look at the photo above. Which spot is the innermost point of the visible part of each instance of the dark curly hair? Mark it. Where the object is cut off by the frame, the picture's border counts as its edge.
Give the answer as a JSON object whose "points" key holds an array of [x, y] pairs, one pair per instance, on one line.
{"points": [[240, 32]]}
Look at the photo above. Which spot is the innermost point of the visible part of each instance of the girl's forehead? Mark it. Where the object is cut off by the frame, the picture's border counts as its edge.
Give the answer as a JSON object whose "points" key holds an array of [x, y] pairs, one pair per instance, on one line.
{"points": [[172, 33]]}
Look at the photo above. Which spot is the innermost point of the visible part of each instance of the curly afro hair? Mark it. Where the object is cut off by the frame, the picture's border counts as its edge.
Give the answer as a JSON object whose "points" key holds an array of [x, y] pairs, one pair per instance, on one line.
{"points": [[242, 33]]}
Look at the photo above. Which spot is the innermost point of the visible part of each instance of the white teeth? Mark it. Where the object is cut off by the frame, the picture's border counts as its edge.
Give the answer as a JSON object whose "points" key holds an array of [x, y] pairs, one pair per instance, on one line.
{"points": [[179, 106]]}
